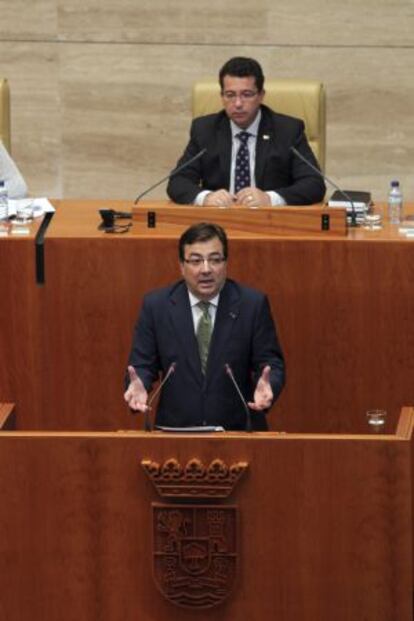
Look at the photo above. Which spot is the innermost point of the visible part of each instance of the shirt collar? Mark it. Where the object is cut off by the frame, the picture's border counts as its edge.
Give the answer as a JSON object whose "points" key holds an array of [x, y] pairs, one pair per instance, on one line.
{"points": [[194, 300]]}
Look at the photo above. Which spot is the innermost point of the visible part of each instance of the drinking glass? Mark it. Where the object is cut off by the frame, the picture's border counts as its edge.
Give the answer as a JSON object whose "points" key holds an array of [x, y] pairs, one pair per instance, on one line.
{"points": [[376, 419], [24, 212], [373, 221]]}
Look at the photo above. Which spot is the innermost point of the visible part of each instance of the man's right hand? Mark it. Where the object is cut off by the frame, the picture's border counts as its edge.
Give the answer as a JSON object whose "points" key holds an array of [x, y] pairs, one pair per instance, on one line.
{"points": [[221, 198], [135, 395]]}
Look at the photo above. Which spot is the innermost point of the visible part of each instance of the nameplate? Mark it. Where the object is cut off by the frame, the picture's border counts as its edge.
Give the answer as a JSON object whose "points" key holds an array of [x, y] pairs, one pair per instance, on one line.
{"points": [[284, 221]]}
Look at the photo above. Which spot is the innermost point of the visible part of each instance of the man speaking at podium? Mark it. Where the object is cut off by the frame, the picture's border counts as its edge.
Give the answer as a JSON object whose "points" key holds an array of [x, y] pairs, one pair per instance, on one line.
{"points": [[248, 160], [217, 336]]}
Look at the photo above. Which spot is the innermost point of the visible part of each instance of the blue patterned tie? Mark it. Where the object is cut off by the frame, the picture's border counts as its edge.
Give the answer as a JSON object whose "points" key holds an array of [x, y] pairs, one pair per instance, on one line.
{"points": [[242, 173]]}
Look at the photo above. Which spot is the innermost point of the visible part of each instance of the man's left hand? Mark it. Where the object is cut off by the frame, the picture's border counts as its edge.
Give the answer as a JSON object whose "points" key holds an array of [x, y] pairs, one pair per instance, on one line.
{"points": [[263, 395], [252, 197]]}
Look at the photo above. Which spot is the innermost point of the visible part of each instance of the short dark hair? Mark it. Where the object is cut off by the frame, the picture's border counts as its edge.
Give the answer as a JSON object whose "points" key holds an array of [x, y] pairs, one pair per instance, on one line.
{"points": [[203, 231], [242, 67]]}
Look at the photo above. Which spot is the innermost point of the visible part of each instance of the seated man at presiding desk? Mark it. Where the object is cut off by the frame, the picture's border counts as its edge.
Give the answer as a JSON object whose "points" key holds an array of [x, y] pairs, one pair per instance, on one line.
{"points": [[248, 160], [203, 326]]}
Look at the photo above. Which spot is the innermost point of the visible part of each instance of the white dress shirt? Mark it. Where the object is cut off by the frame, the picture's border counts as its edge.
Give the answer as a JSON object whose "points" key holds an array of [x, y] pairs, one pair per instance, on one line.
{"points": [[253, 130], [197, 312]]}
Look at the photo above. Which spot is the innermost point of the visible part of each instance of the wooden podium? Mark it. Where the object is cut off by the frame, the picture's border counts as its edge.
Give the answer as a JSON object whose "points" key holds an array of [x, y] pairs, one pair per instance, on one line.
{"points": [[322, 524]]}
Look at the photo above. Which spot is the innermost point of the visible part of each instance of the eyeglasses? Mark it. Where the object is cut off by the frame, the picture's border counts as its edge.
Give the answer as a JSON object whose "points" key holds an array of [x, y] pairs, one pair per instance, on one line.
{"points": [[243, 96], [214, 261]]}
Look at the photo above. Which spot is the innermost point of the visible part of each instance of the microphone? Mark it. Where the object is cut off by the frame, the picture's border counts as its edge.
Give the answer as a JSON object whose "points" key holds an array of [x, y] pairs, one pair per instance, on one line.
{"points": [[243, 400], [171, 174], [325, 178], [147, 422]]}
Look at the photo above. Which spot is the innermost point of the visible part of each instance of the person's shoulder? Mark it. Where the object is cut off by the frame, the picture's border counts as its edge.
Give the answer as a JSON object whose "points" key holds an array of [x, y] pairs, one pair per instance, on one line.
{"points": [[277, 119], [209, 121], [236, 289], [163, 294]]}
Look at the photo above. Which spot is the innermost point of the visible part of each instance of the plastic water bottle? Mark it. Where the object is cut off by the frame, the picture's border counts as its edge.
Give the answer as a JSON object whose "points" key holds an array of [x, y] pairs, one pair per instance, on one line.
{"points": [[395, 203], [4, 201]]}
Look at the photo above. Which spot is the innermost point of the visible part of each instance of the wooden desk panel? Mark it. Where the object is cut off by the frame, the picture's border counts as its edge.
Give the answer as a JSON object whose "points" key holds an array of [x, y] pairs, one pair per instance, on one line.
{"points": [[325, 526], [312, 220], [21, 371], [344, 310]]}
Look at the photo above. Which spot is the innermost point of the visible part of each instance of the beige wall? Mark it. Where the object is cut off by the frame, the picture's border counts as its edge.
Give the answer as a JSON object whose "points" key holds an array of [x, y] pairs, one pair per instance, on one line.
{"points": [[100, 90]]}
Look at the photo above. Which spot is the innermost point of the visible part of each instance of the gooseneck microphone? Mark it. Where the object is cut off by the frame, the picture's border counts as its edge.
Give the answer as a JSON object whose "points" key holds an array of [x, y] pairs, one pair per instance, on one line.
{"points": [[230, 373], [147, 422], [325, 178], [171, 174]]}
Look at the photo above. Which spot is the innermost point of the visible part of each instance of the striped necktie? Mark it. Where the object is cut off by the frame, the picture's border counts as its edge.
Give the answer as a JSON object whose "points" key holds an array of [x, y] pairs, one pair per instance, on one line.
{"points": [[204, 330]]}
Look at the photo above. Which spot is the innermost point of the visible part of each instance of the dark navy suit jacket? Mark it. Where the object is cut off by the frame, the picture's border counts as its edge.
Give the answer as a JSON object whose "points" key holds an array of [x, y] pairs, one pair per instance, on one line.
{"points": [[244, 337], [277, 167]]}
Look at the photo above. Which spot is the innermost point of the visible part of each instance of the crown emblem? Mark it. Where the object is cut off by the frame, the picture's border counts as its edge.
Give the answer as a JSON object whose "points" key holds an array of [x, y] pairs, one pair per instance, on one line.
{"points": [[194, 480]]}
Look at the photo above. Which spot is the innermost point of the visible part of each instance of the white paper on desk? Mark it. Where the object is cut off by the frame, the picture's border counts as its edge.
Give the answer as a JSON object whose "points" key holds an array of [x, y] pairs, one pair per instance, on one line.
{"points": [[196, 429], [40, 206]]}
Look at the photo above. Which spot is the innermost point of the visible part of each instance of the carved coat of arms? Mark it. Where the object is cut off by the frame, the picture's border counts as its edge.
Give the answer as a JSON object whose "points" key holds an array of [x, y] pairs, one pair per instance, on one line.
{"points": [[194, 539]]}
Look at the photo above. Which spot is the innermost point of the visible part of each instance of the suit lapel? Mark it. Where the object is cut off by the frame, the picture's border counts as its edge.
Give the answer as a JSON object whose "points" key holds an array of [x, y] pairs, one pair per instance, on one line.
{"points": [[265, 137], [227, 312], [182, 320], [224, 147]]}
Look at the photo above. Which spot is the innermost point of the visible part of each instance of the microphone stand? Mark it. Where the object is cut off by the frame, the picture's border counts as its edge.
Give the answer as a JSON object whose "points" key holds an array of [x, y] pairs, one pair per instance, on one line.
{"points": [[229, 372], [325, 178], [171, 174], [147, 422]]}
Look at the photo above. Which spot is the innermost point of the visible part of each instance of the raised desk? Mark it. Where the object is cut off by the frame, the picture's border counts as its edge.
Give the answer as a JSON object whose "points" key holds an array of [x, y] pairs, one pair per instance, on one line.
{"points": [[344, 308]]}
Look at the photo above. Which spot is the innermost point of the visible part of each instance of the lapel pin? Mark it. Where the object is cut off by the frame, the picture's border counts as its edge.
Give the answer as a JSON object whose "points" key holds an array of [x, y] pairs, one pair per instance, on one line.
{"points": [[266, 137], [233, 315]]}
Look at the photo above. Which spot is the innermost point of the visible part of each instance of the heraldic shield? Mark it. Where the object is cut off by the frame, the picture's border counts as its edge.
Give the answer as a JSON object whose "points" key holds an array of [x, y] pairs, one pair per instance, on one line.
{"points": [[194, 553], [194, 538]]}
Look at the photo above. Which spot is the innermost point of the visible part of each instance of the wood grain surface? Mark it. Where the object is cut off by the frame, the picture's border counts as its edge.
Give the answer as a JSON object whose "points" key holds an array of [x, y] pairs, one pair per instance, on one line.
{"points": [[325, 527]]}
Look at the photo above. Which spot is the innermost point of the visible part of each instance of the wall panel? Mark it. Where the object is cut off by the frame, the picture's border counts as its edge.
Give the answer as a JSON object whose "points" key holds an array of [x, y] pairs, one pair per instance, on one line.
{"points": [[101, 92]]}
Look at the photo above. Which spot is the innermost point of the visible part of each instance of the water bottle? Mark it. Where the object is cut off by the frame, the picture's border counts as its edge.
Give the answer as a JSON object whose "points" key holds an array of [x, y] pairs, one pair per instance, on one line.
{"points": [[395, 203], [4, 201]]}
